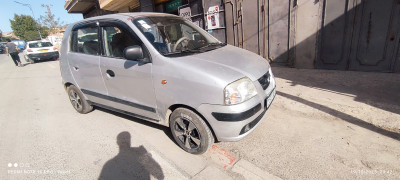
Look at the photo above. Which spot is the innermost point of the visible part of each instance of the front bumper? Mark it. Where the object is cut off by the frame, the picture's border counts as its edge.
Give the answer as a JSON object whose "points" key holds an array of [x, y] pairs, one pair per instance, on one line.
{"points": [[44, 56], [232, 123]]}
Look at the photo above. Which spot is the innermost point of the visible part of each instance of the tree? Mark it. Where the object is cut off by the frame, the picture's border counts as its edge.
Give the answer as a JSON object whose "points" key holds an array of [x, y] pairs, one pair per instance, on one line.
{"points": [[49, 20], [26, 28], [34, 35]]}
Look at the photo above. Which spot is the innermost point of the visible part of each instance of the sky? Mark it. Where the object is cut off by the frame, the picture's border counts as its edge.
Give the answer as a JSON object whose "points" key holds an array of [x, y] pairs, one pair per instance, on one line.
{"points": [[8, 8]]}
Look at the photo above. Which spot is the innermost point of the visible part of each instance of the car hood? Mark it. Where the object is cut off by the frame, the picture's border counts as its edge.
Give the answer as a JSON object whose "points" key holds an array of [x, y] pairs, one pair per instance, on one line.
{"points": [[229, 58]]}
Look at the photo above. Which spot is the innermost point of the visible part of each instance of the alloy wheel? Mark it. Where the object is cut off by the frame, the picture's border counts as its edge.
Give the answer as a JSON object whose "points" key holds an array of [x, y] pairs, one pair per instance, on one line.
{"points": [[187, 133], [75, 100]]}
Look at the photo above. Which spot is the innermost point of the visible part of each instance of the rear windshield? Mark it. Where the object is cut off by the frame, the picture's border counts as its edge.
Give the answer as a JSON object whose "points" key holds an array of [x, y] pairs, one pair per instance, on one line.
{"points": [[17, 42], [40, 44]]}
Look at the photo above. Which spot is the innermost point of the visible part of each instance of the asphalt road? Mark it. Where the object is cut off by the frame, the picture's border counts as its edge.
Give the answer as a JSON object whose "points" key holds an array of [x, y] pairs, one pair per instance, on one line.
{"points": [[313, 130], [43, 137]]}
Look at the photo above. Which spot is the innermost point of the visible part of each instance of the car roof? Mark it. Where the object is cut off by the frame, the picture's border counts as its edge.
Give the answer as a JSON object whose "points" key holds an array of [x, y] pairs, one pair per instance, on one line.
{"points": [[38, 41], [123, 16]]}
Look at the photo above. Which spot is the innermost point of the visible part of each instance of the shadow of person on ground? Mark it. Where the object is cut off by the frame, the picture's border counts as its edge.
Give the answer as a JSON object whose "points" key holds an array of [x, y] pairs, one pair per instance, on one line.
{"points": [[130, 162]]}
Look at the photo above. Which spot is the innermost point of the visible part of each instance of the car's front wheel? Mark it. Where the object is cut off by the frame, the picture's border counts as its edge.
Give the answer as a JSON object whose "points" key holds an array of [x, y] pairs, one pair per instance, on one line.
{"points": [[190, 131], [78, 101]]}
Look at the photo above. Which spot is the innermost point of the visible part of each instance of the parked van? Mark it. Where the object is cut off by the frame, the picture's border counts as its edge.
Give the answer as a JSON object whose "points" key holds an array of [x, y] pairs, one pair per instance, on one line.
{"points": [[165, 69]]}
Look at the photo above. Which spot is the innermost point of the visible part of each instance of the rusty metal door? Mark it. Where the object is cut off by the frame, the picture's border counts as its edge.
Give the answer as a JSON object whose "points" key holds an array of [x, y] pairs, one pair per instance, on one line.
{"points": [[376, 35], [358, 35], [336, 28], [264, 27]]}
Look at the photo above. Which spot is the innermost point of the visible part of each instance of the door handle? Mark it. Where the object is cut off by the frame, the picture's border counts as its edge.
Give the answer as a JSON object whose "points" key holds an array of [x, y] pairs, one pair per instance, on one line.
{"points": [[76, 68], [110, 73]]}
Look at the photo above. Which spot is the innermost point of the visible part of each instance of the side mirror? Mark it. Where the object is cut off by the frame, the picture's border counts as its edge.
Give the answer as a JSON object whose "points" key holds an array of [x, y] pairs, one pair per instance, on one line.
{"points": [[134, 53]]}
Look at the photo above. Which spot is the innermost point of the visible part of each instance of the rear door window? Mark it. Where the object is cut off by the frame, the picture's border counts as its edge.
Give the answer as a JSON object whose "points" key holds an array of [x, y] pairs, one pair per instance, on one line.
{"points": [[85, 40]]}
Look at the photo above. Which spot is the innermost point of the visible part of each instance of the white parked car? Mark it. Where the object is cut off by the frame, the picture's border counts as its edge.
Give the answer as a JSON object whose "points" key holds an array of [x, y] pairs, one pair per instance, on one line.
{"points": [[40, 50]]}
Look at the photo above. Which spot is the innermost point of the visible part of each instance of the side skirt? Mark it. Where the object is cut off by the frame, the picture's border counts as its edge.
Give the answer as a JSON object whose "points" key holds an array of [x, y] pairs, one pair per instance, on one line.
{"points": [[124, 112]]}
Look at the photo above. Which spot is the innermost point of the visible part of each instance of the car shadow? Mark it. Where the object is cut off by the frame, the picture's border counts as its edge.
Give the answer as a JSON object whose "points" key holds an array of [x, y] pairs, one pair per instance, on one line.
{"points": [[25, 64], [165, 129], [42, 61], [131, 162]]}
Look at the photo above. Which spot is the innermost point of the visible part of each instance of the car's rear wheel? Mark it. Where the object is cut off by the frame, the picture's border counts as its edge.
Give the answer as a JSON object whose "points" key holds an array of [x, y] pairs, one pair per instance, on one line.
{"points": [[78, 101], [28, 60], [190, 131]]}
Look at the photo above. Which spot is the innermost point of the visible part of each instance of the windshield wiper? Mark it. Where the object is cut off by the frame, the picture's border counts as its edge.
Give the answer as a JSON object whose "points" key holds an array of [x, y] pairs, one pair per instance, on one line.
{"points": [[212, 45], [183, 52], [197, 50]]}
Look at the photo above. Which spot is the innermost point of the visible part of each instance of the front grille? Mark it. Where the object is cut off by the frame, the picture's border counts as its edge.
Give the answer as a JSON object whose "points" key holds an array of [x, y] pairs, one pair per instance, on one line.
{"points": [[265, 80]]}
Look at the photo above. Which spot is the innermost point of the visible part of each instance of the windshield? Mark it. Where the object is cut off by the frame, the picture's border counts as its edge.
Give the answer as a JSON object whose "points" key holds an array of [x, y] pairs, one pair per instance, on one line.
{"points": [[174, 35], [40, 44]]}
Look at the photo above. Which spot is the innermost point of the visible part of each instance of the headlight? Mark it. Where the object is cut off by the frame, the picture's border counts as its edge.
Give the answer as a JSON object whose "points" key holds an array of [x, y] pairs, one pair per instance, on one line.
{"points": [[239, 91]]}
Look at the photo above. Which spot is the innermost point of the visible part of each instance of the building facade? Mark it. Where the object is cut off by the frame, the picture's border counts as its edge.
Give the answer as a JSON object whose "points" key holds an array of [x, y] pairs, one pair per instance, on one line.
{"points": [[360, 35]]}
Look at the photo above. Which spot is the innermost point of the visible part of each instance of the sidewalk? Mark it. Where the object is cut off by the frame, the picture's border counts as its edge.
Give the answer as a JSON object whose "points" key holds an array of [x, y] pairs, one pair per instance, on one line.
{"points": [[326, 124]]}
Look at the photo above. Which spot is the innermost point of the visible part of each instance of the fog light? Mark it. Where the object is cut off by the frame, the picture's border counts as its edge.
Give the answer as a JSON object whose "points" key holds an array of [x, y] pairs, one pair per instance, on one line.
{"points": [[246, 128]]}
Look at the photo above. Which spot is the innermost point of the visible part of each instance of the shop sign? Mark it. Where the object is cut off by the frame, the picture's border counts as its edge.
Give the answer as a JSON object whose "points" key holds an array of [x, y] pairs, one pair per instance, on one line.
{"points": [[185, 13], [173, 5], [213, 17]]}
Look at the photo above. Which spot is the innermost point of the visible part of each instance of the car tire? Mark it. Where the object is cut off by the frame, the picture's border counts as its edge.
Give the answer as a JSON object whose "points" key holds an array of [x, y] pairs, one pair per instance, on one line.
{"points": [[78, 101], [190, 131], [30, 60], [27, 59]]}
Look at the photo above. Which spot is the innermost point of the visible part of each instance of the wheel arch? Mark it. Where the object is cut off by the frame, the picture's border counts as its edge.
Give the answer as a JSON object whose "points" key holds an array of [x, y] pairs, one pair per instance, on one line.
{"points": [[176, 106], [67, 84]]}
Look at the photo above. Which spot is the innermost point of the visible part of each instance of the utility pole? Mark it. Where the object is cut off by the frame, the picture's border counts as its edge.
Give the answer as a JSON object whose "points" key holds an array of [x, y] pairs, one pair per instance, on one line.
{"points": [[30, 7]]}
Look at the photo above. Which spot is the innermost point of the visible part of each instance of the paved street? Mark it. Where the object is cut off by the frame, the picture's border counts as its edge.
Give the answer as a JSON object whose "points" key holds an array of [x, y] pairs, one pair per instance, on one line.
{"points": [[322, 125]]}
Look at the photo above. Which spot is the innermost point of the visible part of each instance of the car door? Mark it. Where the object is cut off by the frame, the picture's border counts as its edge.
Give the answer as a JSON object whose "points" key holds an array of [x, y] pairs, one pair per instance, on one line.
{"points": [[129, 83], [84, 61]]}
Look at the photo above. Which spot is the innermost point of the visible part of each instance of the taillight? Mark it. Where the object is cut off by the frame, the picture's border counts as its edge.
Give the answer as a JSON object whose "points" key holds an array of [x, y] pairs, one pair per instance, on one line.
{"points": [[54, 48], [29, 50]]}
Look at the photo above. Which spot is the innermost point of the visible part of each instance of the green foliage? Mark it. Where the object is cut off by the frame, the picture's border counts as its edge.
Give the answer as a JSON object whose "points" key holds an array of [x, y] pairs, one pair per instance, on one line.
{"points": [[21, 24], [31, 35], [34, 35], [25, 27]]}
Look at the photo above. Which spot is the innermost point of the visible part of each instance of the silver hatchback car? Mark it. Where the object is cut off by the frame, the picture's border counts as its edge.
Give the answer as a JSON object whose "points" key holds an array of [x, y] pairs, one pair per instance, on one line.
{"points": [[165, 69]]}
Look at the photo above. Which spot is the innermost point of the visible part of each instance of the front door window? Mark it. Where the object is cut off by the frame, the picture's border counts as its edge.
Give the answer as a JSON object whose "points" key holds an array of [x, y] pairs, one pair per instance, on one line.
{"points": [[116, 40]]}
